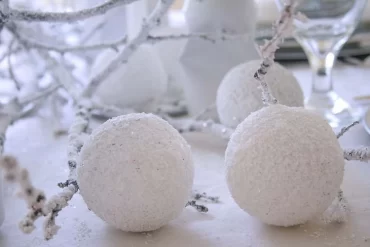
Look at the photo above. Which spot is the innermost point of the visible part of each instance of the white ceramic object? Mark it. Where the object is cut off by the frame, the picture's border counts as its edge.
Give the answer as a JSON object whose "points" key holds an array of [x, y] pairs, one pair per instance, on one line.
{"points": [[239, 94], [204, 64], [284, 165], [140, 84], [136, 172]]}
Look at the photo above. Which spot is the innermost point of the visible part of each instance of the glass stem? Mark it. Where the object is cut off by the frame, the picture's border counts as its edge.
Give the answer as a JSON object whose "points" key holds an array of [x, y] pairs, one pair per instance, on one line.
{"points": [[322, 66]]}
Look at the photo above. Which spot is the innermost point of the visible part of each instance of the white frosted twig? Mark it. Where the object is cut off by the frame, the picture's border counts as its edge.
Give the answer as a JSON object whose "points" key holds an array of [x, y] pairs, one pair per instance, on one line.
{"points": [[34, 197], [208, 37], [64, 49], [282, 28], [337, 211], [347, 128], [153, 20], [361, 154], [21, 15]]}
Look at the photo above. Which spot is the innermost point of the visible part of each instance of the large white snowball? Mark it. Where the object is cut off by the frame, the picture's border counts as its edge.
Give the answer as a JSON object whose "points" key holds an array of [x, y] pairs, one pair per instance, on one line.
{"points": [[136, 172], [284, 165], [239, 95], [139, 84]]}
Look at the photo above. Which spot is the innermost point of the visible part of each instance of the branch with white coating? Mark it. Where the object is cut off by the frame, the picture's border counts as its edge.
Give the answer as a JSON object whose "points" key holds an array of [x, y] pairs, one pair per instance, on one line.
{"points": [[282, 29], [360, 154], [20, 15]]}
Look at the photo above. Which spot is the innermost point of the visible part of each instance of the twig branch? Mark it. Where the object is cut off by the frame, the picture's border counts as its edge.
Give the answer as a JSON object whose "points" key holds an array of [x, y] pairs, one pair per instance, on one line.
{"points": [[283, 27], [361, 154], [64, 49], [347, 128], [153, 20], [19, 15]]}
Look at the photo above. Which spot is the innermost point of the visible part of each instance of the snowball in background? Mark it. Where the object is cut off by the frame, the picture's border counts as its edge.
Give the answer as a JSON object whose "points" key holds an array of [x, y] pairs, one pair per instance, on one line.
{"points": [[139, 84], [284, 165], [239, 94], [136, 172]]}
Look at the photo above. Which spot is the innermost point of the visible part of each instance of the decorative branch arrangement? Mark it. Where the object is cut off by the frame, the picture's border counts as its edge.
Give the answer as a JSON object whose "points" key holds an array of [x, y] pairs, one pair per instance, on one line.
{"points": [[11, 21]]}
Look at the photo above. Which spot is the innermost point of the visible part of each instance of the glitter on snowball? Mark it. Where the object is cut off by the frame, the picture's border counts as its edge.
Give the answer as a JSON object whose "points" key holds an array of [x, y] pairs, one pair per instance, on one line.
{"points": [[136, 172], [239, 94], [287, 169]]}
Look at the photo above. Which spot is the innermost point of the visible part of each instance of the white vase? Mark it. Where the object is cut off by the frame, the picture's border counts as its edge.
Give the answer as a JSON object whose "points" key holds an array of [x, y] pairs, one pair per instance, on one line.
{"points": [[204, 64]]}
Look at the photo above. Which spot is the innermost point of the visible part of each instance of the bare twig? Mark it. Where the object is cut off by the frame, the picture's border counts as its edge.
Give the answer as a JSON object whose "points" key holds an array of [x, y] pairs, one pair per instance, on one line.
{"points": [[20, 15], [153, 20], [347, 128], [361, 154]]}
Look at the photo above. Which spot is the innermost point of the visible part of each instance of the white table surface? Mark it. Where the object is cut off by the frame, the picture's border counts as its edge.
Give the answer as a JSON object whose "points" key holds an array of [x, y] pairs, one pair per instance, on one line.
{"points": [[224, 225]]}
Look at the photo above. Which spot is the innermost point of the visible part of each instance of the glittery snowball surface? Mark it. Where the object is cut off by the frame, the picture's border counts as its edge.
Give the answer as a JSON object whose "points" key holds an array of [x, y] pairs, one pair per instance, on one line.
{"points": [[284, 165], [140, 83], [239, 94], [136, 172]]}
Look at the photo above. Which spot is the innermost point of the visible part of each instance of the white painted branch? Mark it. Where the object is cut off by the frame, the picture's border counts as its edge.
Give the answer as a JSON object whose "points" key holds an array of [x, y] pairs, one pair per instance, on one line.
{"points": [[361, 154], [20, 15], [153, 20], [64, 49], [282, 28]]}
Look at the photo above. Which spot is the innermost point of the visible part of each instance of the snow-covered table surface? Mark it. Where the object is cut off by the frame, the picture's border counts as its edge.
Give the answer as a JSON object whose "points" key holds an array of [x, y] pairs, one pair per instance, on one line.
{"points": [[32, 141]]}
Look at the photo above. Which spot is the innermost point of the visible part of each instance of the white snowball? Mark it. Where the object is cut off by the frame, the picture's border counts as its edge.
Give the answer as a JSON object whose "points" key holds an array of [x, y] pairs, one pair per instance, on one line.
{"points": [[139, 84], [239, 95], [284, 165], [136, 172]]}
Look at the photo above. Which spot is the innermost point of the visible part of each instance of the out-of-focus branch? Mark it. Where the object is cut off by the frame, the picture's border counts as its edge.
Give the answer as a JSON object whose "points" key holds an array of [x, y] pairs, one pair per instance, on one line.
{"points": [[20, 15]]}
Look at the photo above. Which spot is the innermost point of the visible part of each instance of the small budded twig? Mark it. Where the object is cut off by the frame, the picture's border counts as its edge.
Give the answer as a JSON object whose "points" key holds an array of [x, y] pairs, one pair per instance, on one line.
{"points": [[361, 154], [347, 128]]}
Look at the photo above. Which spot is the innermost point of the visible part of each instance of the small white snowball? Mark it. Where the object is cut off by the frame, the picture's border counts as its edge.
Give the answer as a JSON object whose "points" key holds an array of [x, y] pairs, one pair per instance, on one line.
{"points": [[284, 165], [136, 172], [239, 94], [138, 84]]}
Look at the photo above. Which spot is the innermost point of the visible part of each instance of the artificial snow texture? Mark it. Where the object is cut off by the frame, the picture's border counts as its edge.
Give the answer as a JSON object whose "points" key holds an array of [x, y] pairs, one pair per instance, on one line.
{"points": [[139, 84], [239, 94], [284, 165], [136, 172]]}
